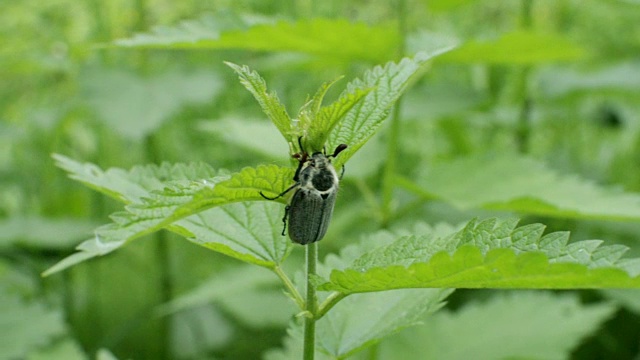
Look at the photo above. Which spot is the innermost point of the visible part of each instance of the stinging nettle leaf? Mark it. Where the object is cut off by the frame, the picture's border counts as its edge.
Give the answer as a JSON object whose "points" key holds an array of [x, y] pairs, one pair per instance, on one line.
{"points": [[319, 37], [384, 85], [352, 326], [362, 320], [269, 102], [178, 200], [487, 330], [482, 255], [513, 183], [519, 47], [247, 231]]}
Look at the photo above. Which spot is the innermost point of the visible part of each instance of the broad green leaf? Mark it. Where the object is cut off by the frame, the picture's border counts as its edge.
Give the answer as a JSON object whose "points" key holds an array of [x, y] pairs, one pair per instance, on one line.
{"points": [[243, 132], [61, 350], [269, 102], [136, 106], [329, 38], [562, 81], [511, 325], [248, 231], [363, 320], [307, 118], [519, 47], [489, 254], [387, 85], [512, 183], [327, 117], [629, 298], [250, 294], [184, 197], [130, 186], [446, 5], [104, 354], [27, 326], [43, 233]]}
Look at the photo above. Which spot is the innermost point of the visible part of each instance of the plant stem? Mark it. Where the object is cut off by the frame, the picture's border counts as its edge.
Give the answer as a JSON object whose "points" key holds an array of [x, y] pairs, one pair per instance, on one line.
{"points": [[523, 131], [311, 305], [290, 287], [163, 261], [328, 303]]}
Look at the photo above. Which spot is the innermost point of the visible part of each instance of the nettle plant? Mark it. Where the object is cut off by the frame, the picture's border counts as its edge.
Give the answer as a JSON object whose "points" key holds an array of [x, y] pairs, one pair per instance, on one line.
{"points": [[344, 303]]}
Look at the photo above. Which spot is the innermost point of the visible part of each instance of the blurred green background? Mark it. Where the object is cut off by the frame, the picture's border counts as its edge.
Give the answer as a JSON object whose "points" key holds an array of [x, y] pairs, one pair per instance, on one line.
{"points": [[558, 81]]}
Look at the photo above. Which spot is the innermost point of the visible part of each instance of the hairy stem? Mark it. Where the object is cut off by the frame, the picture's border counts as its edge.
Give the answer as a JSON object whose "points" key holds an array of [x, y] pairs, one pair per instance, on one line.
{"points": [[311, 305]]}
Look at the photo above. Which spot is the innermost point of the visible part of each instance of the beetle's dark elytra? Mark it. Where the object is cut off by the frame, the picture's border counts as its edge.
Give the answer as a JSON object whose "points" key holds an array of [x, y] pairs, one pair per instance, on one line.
{"points": [[309, 215], [316, 182]]}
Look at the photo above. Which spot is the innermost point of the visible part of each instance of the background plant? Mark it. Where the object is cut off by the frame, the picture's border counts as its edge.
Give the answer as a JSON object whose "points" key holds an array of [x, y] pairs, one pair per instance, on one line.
{"points": [[524, 118]]}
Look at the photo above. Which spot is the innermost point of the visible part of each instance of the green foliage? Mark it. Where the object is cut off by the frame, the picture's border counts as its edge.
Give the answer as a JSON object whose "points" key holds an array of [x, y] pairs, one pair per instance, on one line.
{"points": [[363, 120], [363, 320], [487, 330], [519, 47], [158, 196], [488, 254], [269, 102], [31, 326], [533, 116], [530, 188], [137, 107], [321, 37]]}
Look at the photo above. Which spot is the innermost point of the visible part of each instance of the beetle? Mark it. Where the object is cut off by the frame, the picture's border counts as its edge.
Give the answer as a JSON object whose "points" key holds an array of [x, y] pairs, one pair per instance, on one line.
{"points": [[310, 209]]}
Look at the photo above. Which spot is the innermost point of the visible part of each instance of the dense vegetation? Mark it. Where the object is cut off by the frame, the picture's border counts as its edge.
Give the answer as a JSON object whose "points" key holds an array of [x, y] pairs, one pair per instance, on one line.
{"points": [[493, 145]]}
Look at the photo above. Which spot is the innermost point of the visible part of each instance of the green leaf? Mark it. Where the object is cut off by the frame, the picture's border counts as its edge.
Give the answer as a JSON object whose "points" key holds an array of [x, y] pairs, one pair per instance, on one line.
{"points": [[129, 186], [183, 196], [269, 102], [488, 254], [559, 81], [513, 183], [135, 106], [327, 117], [363, 320], [242, 133], [27, 326], [519, 47], [247, 231], [43, 233], [386, 85], [446, 5], [61, 350], [510, 325], [628, 298], [328, 38], [252, 295]]}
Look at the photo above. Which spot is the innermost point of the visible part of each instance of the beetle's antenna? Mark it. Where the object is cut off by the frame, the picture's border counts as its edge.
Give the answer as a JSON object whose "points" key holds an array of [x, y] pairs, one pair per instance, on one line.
{"points": [[338, 150]]}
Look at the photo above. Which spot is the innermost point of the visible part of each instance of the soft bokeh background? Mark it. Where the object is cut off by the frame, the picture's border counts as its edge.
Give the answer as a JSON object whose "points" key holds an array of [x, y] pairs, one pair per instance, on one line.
{"points": [[561, 85]]}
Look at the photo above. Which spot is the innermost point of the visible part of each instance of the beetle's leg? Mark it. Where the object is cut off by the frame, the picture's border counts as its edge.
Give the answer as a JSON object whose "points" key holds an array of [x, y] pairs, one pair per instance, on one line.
{"points": [[281, 194], [342, 172], [284, 219]]}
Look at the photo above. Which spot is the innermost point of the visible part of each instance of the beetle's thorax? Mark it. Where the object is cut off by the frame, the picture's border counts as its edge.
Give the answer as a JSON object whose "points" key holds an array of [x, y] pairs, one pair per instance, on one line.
{"points": [[318, 174]]}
